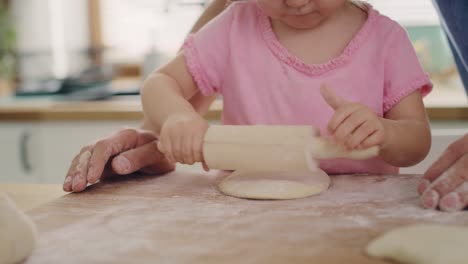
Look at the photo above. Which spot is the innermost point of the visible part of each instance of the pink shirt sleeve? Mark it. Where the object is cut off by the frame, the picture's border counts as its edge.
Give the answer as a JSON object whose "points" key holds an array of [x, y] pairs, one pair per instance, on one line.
{"points": [[403, 72], [207, 53]]}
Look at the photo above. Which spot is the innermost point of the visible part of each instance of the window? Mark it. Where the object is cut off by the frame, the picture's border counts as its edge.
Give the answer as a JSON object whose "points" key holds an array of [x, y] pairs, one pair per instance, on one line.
{"points": [[132, 29], [421, 20]]}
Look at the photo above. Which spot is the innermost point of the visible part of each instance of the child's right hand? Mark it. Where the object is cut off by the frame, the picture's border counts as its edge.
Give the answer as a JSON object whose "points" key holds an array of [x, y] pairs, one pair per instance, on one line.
{"points": [[182, 137]]}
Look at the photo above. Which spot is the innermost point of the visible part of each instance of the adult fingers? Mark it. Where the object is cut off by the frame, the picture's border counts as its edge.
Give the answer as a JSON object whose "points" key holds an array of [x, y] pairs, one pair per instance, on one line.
{"points": [[105, 148], [80, 182], [450, 180], [456, 200], [423, 185], [430, 199], [72, 171], [448, 158], [135, 159]]}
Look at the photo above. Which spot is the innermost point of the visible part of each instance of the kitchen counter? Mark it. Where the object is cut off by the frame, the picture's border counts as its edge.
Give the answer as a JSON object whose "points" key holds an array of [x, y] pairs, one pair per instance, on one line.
{"points": [[28, 196], [48, 109], [182, 218], [129, 108]]}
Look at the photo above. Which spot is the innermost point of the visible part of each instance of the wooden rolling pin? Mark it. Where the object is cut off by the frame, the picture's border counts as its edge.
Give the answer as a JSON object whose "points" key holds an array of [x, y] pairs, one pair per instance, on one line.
{"points": [[272, 148]]}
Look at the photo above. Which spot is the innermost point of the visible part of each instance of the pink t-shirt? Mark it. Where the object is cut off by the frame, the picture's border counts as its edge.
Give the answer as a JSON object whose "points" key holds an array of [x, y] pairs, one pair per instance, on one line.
{"points": [[239, 56]]}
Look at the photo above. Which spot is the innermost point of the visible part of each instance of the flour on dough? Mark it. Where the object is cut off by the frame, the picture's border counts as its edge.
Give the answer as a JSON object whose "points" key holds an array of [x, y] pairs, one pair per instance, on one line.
{"points": [[423, 244], [17, 233], [274, 185]]}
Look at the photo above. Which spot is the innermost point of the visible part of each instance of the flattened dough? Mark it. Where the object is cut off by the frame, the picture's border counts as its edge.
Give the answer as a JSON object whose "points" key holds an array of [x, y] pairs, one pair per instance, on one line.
{"points": [[267, 185], [423, 244]]}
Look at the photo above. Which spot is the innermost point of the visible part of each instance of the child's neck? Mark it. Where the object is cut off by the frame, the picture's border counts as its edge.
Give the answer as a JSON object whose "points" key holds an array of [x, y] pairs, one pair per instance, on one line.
{"points": [[325, 41]]}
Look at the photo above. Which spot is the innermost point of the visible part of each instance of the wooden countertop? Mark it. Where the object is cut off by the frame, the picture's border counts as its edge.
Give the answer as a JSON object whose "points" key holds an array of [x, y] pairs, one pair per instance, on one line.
{"points": [[125, 108], [130, 109], [28, 196], [182, 218]]}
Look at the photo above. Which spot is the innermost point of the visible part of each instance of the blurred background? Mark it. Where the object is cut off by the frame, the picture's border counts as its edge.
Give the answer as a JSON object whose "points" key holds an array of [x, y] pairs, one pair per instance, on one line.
{"points": [[42, 40], [70, 73], [55, 39]]}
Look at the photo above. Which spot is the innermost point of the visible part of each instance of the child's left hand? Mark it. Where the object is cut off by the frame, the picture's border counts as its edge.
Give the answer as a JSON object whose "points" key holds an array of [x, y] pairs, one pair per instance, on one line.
{"points": [[354, 125]]}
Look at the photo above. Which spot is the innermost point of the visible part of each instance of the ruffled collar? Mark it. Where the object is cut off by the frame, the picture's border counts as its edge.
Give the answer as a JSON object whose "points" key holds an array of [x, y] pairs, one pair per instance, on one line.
{"points": [[316, 69]]}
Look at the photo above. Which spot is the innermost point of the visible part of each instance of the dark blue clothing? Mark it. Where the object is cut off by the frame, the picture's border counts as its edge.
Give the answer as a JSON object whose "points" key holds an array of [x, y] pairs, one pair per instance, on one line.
{"points": [[454, 18]]}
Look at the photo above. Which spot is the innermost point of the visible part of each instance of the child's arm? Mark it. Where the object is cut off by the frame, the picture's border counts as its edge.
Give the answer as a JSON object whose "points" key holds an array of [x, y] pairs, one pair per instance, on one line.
{"points": [[403, 135], [408, 134], [199, 102], [165, 96]]}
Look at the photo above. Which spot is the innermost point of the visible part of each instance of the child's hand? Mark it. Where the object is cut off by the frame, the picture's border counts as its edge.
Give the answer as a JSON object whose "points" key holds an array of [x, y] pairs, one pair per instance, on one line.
{"points": [[354, 126], [182, 138]]}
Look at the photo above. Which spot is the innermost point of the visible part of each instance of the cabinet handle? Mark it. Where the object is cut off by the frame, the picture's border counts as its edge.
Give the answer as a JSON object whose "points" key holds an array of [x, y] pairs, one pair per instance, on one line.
{"points": [[23, 147]]}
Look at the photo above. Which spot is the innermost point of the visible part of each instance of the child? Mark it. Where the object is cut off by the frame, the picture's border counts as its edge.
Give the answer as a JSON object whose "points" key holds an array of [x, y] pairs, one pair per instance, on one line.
{"points": [[336, 65]]}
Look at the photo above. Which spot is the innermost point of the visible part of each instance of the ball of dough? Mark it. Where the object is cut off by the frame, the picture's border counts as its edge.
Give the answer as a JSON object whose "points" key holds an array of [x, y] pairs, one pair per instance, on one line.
{"points": [[269, 185], [423, 244], [18, 232]]}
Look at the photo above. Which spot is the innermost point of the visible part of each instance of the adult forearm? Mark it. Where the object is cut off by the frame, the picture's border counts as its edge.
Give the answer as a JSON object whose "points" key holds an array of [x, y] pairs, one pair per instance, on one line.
{"points": [[216, 7], [408, 142]]}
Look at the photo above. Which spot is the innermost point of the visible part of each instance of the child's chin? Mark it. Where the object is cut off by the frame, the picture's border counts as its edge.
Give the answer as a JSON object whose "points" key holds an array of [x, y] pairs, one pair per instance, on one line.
{"points": [[303, 22]]}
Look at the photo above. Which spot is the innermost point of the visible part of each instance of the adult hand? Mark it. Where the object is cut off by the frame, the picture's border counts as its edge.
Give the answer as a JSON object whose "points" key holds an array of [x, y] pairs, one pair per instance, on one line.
{"points": [[445, 183], [124, 152]]}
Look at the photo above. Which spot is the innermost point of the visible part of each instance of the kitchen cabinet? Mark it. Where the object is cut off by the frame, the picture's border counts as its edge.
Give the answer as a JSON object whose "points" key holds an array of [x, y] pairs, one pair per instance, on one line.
{"points": [[20, 158], [38, 139], [61, 141], [40, 152]]}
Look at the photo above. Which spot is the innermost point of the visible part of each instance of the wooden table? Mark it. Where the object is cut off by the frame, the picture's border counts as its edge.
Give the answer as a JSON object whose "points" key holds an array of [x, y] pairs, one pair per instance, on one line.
{"points": [[28, 196], [182, 218]]}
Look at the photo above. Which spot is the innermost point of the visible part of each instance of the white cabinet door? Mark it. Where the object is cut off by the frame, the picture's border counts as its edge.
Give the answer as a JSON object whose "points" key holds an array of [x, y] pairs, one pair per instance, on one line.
{"points": [[63, 140], [20, 159]]}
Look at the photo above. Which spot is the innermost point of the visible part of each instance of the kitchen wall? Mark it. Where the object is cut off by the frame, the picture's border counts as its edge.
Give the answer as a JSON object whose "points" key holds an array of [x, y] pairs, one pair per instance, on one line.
{"points": [[408, 13]]}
